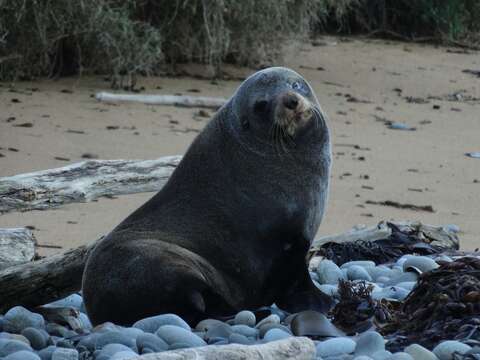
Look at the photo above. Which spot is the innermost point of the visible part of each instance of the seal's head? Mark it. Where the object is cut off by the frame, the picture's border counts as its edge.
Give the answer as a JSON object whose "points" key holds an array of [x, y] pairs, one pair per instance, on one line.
{"points": [[278, 104]]}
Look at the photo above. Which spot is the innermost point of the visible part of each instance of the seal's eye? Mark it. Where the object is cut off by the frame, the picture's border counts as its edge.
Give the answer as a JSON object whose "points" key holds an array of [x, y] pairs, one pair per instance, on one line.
{"points": [[298, 86], [260, 106]]}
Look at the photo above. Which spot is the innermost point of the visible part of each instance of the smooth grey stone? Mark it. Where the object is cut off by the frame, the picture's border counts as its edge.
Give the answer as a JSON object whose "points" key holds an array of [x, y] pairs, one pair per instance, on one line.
{"points": [[362, 263], [335, 346], [22, 355], [356, 272], [379, 271], [328, 289], [383, 280], [329, 273], [369, 343], [221, 330], [381, 355], [407, 285], [245, 330], [18, 318], [9, 346], [183, 345], [206, 324], [65, 343], [73, 300], [313, 323], [400, 356], [173, 334], [151, 342], [418, 352], [421, 263], [17, 337], [131, 332], [152, 324], [245, 318], [37, 338], [89, 341], [362, 357], [391, 292], [403, 277], [314, 276], [65, 354], [57, 330], [236, 338], [271, 319], [124, 355], [106, 326], [85, 321], [265, 328], [452, 228], [276, 334], [397, 125], [115, 337], [445, 350], [46, 353], [109, 350]]}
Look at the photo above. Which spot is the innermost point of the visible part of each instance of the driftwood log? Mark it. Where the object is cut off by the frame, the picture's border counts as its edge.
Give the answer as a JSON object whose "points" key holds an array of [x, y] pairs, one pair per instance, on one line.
{"points": [[43, 281], [17, 246], [294, 348], [175, 100], [83, 181]]}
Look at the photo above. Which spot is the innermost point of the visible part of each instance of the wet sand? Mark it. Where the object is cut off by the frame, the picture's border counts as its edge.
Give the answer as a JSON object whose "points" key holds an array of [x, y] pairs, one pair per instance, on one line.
{"points": [[362, 85]]}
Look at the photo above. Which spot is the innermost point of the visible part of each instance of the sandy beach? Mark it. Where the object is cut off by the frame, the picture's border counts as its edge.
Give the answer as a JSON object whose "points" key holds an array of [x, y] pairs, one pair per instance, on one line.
{"points": [[363, 85]]}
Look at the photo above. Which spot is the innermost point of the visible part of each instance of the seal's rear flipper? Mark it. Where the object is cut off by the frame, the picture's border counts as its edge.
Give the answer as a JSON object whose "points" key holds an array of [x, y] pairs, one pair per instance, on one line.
{"points": [[304, 295]]}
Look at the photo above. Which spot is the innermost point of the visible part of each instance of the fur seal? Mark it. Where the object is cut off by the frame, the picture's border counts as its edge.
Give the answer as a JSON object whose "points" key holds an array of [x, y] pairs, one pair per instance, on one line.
{"points": [[231, 228]]}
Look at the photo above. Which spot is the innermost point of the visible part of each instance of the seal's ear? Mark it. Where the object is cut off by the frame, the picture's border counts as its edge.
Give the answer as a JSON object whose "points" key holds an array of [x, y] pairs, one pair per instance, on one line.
{"points": [[245, 123]]}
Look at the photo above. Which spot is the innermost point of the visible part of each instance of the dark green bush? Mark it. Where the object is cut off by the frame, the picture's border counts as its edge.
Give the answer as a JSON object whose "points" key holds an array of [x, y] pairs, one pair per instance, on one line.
{"points": [[130, 37]]}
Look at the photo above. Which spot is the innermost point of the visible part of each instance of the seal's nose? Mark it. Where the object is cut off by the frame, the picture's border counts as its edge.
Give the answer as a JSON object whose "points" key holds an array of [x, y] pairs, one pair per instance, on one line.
{"points": [[290, 101]]}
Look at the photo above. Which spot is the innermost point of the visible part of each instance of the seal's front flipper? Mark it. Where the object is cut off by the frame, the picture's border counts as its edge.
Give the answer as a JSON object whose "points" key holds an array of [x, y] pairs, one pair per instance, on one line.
{"points": [[304, 295]]}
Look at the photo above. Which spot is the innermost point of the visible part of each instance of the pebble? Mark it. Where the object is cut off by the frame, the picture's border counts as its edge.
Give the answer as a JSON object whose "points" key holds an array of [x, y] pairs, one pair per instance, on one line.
{"points": [[8, 346], [22, 355], [84, 321], [124, 355], [381, 355], [245, 318], [46, 353], [109, 350], [148, 342], [271, 319], [400, 356], [206, 324], [172, 334], [236, 338], [313, 323], [403, 277], [18, 318], [73, 300], [379, 271], [445, 350], [356, 272], [65, 354], [419, 263], [391, 292], [329, 273], [335, 346], [115, 337], [221, 330], [418, 352], [265, 328], [362, 357], [37, 338], [407, 285], [369, 343], [452, 228], [153, 323], [275, 334], [245, 330], [362, 263]]}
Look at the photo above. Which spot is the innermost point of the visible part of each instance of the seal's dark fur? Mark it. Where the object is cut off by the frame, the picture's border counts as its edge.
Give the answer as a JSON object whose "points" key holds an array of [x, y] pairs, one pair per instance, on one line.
{"points": [[231, 228]]}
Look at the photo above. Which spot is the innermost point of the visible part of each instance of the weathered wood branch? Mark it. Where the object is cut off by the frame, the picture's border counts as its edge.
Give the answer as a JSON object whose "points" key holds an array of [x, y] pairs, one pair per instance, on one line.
{"points": [[294, 348], [17, 246], [43, 281], [84, 181], [175, 100]]}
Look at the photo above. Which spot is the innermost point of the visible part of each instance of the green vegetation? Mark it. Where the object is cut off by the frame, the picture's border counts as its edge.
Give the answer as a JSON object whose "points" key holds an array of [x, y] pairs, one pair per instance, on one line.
{"points": [[126, 38]]}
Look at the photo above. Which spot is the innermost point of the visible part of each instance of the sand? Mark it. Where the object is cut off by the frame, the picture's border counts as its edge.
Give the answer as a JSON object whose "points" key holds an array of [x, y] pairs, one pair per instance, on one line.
{"points": [[360, 83]]}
